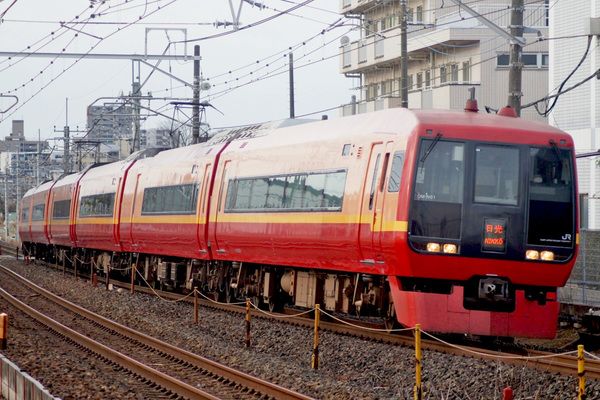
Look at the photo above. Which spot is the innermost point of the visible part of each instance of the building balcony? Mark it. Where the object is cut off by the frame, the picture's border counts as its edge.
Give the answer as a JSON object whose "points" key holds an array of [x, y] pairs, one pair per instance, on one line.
{"points": [[448, 96], [452, 28], [356, 6]]}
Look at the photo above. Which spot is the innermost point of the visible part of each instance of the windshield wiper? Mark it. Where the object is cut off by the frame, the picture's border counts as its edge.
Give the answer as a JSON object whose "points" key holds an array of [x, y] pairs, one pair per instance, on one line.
{"points": [[431, 146]]}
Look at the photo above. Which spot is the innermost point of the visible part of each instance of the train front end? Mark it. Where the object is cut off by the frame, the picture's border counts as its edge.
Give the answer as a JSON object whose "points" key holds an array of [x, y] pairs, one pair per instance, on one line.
{"points": [[492, 230]]}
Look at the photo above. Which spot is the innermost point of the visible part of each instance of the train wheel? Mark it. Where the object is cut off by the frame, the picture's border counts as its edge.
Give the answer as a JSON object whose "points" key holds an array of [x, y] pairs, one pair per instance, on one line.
{"points": [[274, 304]]}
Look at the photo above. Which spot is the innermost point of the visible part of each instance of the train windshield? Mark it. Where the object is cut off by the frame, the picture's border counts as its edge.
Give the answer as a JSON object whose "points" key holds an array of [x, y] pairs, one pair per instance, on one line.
{"points": [[550, 197]]}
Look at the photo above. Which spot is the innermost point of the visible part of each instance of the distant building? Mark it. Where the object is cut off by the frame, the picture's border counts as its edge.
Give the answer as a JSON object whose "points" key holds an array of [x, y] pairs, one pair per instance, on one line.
{"points": [[578, 111], [158, 138], [110, 122], [449, 51]]}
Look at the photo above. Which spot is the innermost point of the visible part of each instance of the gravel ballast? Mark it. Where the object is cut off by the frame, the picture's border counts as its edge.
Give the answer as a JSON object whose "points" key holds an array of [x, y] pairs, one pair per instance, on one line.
{"points": [[349, 368]]}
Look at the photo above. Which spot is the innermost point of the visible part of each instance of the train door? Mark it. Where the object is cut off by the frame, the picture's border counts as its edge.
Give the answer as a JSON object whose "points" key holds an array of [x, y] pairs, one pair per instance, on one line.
{"points": [[203, 211], [218, 247], [372, 202]]}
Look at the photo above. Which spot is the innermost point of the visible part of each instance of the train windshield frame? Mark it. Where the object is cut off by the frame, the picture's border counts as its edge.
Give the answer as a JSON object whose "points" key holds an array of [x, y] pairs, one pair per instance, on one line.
{"points": [[458, 185]]}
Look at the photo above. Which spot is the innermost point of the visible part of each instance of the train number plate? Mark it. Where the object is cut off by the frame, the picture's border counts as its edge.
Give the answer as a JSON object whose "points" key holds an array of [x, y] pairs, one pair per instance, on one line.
{"points": [[494, 235]]}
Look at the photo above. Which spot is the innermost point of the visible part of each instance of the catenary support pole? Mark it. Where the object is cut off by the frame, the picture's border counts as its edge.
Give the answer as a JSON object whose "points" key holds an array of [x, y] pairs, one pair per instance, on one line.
{"points": [[516, 65], [196, 100], [292, 96]]}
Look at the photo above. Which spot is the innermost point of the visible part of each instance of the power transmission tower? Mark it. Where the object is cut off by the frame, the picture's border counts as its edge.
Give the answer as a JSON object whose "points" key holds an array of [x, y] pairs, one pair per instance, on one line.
{"points": [[516, 66]]}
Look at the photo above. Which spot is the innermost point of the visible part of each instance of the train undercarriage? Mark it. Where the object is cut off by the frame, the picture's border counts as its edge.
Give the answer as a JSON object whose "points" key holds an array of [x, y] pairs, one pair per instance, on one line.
{"points": [[269, 287]]}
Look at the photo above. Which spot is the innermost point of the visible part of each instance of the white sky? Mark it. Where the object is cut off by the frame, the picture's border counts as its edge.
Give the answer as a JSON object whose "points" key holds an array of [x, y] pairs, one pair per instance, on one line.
{"points": [[317, 86]]}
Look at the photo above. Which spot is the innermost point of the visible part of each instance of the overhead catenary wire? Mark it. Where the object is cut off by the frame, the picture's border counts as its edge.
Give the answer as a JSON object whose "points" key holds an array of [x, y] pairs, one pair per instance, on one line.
{"points": [[82, 57]]}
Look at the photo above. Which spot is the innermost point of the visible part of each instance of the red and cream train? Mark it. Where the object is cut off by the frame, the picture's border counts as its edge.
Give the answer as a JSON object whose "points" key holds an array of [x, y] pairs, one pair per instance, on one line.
{"points": [[458, 221]]}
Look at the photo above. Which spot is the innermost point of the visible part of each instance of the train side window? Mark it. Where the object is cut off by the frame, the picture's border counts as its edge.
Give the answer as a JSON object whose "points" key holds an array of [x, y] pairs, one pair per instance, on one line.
{"points": [[396, 172], [346, 149], [244, 191], [258, 195], [334, 189], [37, 213], [98, 205], [294, 191], [373, 182], [176, 199], [313, 193], [276, 192], [61, 209], [25, 214], [386, 162]]}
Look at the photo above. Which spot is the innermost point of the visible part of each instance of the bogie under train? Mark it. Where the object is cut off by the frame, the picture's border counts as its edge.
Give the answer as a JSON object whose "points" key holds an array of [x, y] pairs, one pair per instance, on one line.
{"points": [[458, 221]]}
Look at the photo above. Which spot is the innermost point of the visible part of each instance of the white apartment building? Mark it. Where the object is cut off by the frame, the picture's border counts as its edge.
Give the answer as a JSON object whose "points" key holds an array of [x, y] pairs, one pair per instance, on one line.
{"points": [[449, 51], [578, 111]]}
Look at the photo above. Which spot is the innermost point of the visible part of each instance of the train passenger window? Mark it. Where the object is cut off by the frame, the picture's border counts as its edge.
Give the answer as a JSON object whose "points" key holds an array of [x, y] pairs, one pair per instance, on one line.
{"points": [[313, 192], [175, 199], [275, 192], [25, 214], [346, 149], [61, 209], [258, 195], [37, 213], [440, 172], [98, 205], [294, 191], [334, 189], [396, 172], [497, 175]]}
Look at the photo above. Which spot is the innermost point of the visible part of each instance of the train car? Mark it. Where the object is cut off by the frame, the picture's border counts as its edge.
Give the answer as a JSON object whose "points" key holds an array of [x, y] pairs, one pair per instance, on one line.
{"points": [[462, 222], [33, 222], [59, 211]]}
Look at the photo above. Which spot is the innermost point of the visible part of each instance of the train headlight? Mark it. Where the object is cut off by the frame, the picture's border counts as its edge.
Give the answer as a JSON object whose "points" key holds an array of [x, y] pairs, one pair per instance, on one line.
{"points": [[547, 255], [450, 248], [532, 255], [433, 247]]}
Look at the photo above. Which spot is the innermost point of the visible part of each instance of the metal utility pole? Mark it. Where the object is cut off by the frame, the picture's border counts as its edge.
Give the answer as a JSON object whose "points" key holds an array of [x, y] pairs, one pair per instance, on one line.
{"points": [[37, 161], [292, 96], [66, 155], [17, 197], [516, 66], [6, 206], [135, 94], [403, 56], [196, 100]]}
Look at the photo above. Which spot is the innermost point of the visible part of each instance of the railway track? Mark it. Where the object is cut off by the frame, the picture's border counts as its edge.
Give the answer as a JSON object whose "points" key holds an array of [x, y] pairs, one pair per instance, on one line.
{"points": [[545, 361], [176, 371]]}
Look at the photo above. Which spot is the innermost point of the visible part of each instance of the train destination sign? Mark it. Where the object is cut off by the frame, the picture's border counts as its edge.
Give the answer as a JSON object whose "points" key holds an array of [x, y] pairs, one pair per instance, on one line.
{"points": [[494, 234]]}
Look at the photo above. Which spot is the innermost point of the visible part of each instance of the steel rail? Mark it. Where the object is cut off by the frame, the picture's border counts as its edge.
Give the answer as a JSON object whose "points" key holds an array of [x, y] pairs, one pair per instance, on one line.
{"points": [[264, 387], [163, 380], [563, 364]]}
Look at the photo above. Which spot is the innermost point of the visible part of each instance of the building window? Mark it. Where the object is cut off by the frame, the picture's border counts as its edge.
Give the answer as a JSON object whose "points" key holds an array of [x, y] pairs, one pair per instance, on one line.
{"points": [[419, 14], [322, 191], [428, 78], [419, 80], [176, 199], [409, 15], [502, 60], [98, 205], [529, 60], [454, 72], [443, 72], [347, 56], [362, 52], [410, 82], [466, 71], [545, 61], [378, 47], [61, 209]]}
